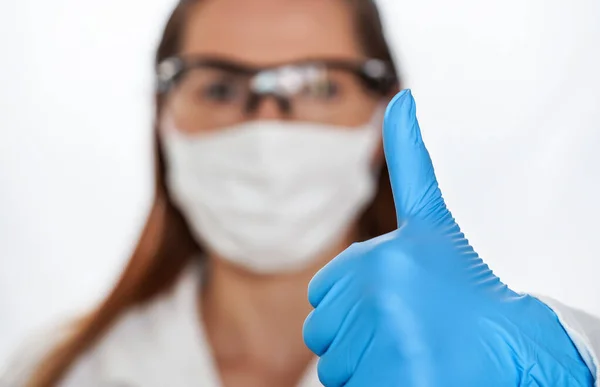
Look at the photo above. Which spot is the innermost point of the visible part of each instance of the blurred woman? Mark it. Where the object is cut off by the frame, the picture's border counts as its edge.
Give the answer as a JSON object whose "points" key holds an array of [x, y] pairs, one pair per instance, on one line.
{"points": [[268, 164]]}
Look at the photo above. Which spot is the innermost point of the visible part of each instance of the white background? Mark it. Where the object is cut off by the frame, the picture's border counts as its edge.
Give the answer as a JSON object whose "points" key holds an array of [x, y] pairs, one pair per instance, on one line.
{"points": [[508, 96]]}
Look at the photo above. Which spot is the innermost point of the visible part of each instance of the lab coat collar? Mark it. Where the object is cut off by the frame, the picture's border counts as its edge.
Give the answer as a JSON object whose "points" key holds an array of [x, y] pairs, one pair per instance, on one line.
{"points": [[163, 342]]}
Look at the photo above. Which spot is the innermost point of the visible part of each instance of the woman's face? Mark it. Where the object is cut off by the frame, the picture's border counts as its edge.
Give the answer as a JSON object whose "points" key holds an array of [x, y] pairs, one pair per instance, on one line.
{"points": [[262, 33]]}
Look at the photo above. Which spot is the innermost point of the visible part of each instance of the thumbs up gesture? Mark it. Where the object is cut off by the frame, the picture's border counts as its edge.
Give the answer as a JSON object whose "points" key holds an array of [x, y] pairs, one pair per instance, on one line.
{"points": [[419, 308]]}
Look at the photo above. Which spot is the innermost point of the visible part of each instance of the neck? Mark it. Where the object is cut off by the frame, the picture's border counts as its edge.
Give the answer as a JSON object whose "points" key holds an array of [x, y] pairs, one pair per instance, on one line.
{"points": [[258, 318]]}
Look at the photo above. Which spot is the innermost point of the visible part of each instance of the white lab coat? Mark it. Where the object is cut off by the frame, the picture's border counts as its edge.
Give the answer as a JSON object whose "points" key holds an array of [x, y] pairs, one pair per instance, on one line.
{"points": [[162, 344]]}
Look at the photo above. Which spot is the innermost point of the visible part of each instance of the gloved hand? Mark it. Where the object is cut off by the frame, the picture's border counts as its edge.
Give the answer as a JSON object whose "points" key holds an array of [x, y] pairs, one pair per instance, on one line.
{"points": [[418, 307]]}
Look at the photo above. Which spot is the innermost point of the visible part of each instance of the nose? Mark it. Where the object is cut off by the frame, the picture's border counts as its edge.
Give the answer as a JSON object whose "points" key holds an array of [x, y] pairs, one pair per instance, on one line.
{"points": [[269, 107]]}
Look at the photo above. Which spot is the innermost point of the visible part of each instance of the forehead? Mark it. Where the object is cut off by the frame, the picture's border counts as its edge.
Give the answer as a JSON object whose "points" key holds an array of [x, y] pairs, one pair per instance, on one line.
{"points": [[271, 31]]}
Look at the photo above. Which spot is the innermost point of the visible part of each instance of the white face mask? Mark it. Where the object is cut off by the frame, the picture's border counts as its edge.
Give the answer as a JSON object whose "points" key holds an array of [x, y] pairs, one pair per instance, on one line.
{"points": [[271, 196]]}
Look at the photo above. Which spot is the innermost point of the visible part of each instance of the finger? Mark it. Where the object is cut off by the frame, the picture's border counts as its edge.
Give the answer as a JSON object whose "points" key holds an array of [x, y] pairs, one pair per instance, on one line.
{"points": [[330, 274], [323, 324], [414, 185], [341, 360]]}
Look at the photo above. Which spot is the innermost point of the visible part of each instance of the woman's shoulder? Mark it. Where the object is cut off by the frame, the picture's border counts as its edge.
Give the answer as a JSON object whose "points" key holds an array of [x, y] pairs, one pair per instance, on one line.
{"points": [[132, 331], [131, 343], [31, 352]]}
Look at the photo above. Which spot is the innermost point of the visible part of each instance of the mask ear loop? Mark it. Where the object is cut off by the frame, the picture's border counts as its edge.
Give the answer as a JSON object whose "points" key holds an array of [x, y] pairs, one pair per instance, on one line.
{"points": [[376, 121], [166, 124]]}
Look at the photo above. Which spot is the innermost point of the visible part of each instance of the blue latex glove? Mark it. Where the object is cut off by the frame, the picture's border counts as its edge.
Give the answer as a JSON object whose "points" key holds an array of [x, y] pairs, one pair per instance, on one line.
{"points": [[418, 307]]}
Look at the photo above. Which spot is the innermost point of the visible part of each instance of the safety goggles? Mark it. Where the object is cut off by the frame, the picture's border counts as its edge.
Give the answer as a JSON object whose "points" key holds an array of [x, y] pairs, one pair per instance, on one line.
{"points": [[204, 92]]}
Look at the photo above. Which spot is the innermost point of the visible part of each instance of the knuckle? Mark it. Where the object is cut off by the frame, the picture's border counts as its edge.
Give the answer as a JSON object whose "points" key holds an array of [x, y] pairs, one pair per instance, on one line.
{"points": [[382, 306], [331, 372], [311, 334], [389, 263]]}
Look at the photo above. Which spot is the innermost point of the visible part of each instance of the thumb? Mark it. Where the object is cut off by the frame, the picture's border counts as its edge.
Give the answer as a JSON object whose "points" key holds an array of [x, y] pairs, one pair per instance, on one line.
{"points": [[414, 185]]}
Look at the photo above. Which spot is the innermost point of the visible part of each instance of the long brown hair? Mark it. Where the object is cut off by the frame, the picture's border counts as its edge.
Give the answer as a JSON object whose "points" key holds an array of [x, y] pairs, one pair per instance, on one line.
{"points": [[166, 245]]}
